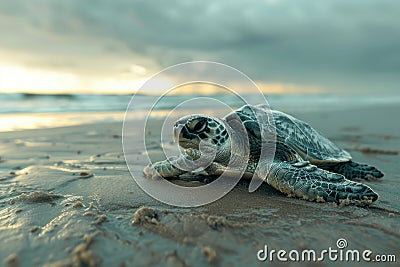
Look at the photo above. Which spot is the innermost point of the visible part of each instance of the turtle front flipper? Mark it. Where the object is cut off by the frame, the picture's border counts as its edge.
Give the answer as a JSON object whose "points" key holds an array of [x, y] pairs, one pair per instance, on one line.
{"points": [[185, 163], [303, 180], [166, 168]]}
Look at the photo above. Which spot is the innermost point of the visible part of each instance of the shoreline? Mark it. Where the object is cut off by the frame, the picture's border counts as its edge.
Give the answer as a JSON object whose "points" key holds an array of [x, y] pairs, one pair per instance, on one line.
{"points": [[21, 121]]}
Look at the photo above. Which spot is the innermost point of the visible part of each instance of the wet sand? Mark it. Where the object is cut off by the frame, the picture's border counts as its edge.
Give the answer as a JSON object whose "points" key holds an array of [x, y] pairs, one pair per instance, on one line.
{"points": [[67, 199]]}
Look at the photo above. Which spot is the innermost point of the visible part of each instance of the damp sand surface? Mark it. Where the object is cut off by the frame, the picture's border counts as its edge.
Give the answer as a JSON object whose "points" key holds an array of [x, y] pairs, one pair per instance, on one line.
{"points": [[67, 199]]}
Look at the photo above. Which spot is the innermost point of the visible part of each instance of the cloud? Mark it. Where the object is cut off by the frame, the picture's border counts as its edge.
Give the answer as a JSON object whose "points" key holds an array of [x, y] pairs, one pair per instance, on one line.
{"points": [[335, 44]]}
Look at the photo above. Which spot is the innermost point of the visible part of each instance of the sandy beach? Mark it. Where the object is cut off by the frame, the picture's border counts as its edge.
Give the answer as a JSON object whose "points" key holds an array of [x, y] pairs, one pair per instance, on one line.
{"points": [[68, 199]]}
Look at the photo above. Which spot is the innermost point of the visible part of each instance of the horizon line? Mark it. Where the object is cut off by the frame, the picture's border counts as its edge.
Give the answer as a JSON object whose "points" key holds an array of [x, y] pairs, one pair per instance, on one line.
{"points": [[24, 93]]}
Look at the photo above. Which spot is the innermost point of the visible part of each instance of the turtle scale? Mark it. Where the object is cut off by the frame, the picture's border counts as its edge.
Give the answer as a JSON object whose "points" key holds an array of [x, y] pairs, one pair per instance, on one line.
{"points": [[307, 141]]}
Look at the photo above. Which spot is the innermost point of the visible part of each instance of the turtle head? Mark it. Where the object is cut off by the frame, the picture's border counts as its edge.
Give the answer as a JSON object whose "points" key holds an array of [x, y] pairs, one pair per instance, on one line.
{"points": [[190, 130]]}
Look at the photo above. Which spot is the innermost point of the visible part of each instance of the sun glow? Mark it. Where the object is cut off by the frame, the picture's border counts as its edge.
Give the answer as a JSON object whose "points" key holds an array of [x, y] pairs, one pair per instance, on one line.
{"points": [[14, 79], [287, 88]]}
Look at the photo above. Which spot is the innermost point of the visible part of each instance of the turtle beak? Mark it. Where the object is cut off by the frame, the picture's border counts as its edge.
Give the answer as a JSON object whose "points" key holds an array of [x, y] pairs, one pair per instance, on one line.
{"points": [[177, 130], [182, 136]]}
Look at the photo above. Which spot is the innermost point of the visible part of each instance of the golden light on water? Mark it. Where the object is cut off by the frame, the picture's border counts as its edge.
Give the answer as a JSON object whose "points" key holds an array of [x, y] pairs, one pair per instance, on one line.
{"points": [[13, 122]]}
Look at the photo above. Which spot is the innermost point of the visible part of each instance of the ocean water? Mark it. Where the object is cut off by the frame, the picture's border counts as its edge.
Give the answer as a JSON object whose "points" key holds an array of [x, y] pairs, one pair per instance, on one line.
{"points": [[29, 111]]}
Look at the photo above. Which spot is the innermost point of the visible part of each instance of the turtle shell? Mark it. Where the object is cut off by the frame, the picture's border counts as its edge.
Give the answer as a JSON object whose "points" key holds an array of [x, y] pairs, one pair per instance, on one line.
{"points": [[304, 139]]}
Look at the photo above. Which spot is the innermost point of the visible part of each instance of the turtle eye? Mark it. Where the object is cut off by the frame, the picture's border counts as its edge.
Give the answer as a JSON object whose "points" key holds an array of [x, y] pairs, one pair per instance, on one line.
{"points": [[198, 125]]}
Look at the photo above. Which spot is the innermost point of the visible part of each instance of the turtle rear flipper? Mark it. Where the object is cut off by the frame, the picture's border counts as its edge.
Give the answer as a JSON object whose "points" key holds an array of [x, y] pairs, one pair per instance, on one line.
{"points": [[353, 170], [306, 181]]}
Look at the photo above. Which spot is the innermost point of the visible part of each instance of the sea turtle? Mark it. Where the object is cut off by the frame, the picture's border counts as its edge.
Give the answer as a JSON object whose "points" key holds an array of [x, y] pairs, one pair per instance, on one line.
{"points": [[306, 164]]}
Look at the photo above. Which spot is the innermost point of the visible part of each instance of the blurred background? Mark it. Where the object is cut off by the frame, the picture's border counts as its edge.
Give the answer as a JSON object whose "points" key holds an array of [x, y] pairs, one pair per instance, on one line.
{"points": [[71, 62]]}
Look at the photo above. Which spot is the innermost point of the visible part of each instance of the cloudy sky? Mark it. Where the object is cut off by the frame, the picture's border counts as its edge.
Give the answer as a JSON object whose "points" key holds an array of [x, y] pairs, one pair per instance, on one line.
{"points": [[288, 46]]}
